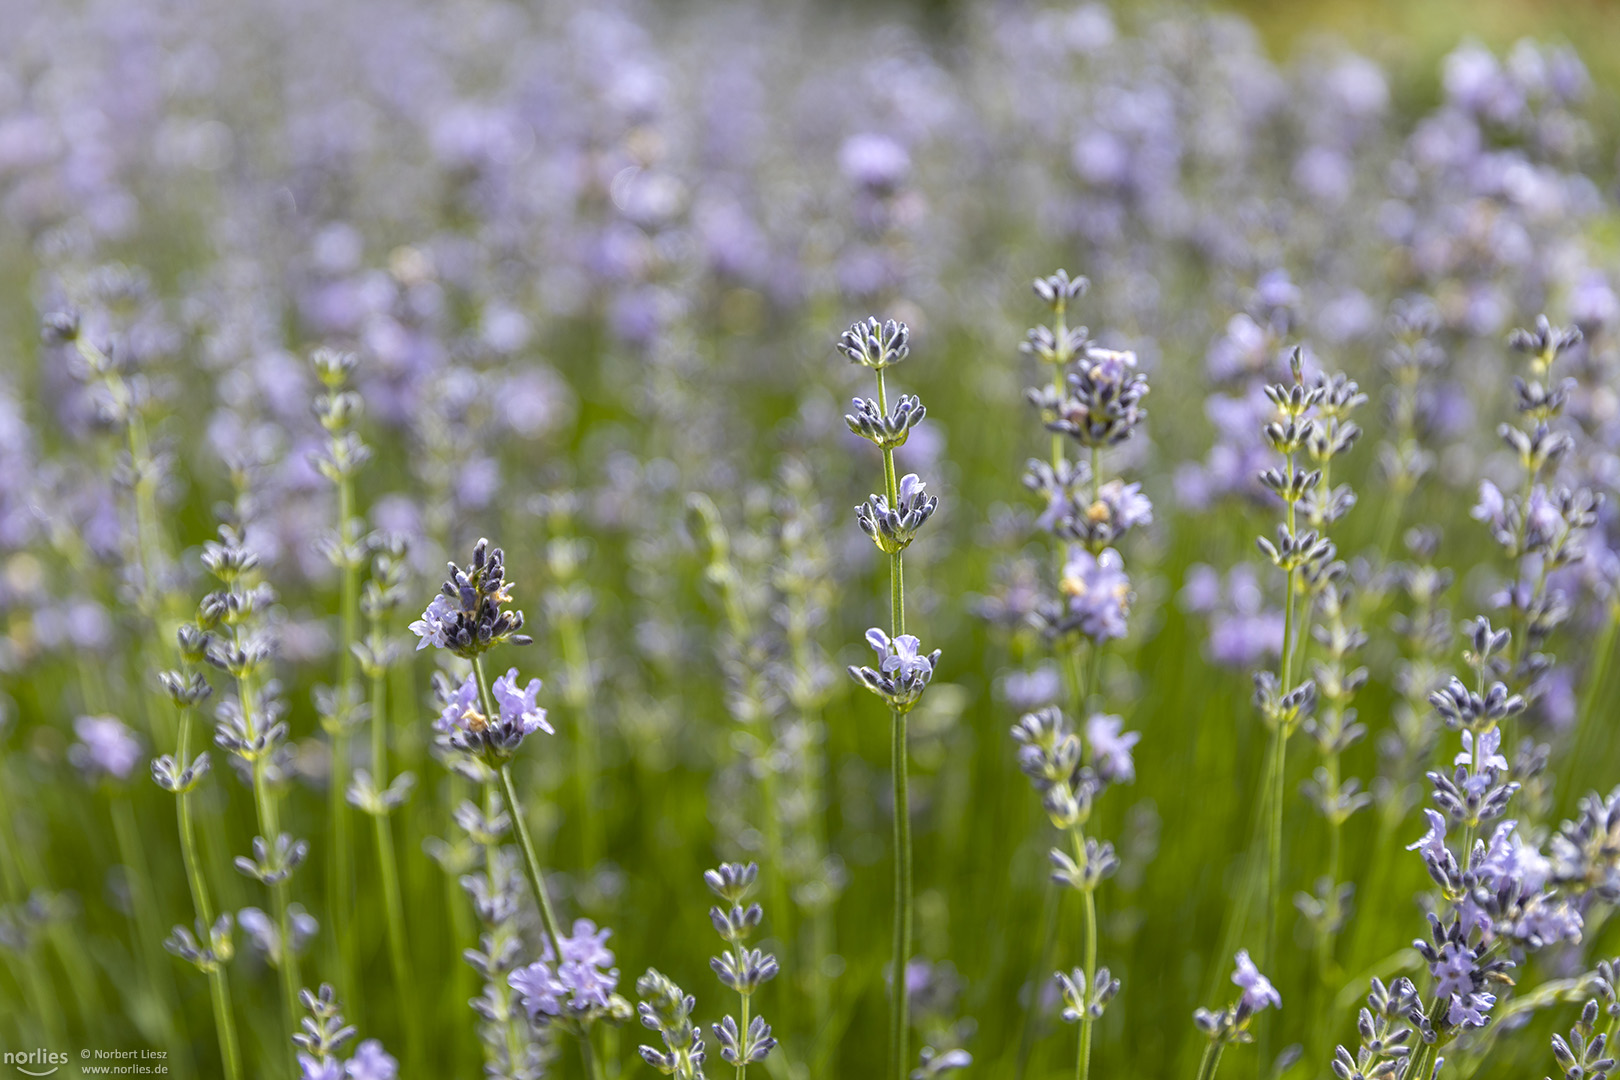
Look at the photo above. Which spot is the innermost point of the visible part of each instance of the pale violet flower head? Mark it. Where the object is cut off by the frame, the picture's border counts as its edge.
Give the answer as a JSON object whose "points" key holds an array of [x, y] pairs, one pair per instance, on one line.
{"points": [[105, 747], [1111, 749], [1490, 745], [1432, 844], [465, 727], [314, 1068], [518, 708], [903, 670], [1097, 594], [372, 1062], [1258, 993], [434, 627], [460, 708], [581, 981]]}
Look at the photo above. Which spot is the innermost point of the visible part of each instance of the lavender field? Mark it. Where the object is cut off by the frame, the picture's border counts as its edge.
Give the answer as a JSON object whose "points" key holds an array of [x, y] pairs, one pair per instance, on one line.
{"points": [[804, 541]]}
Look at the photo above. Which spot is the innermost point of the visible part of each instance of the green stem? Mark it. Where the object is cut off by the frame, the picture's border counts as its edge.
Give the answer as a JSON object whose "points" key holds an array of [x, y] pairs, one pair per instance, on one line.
{"points": [[531, 863], [593, 1064], [340, 889], [1211, 1060], [264, 798], [1088, 909], [1280, 758], [899, 1026], [576, 659], [388, 864], [1585, 728], [220, 991]]}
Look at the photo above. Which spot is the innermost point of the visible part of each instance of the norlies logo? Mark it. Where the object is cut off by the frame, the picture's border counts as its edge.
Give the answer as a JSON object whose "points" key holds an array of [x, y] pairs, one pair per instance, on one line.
{"points": [[35, 1062]]}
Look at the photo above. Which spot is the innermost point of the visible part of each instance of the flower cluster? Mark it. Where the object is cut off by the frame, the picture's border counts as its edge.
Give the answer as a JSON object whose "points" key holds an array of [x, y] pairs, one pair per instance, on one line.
{"points": [[740, 967], [667, 1009], [1231, 1024], [323, 1037], [574, 981], [469, 617], [903, 670], [493, 738]]}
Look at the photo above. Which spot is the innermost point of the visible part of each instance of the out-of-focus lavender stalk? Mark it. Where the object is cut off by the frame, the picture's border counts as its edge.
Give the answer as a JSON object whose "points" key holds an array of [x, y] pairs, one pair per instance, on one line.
{"points": [[746, 704], [567, 604], [255, 735], [337, 408], [373, 791], [180, 775]]}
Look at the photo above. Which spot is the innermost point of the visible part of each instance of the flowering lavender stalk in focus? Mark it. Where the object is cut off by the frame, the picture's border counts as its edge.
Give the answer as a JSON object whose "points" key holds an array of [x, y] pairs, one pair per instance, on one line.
{"points": [[338, 408], [740, 968], [1068, 781], [1231, 1024], [1094, 400], [488, 722], [904, 670], [1497, 898]]}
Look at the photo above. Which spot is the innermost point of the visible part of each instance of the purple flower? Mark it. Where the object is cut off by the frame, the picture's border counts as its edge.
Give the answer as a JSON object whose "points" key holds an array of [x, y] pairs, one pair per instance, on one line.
{"points": [[1433, 843], [1098, 592], [900, 656], [1468, 1010], [436, 623], [1453, 970], [461, 709], [1111, 748], [313, 1068], [105, 747], [875, 162], [372, 1062], [1258, 993], [1490, 743], [550, 987], [518, 709]]}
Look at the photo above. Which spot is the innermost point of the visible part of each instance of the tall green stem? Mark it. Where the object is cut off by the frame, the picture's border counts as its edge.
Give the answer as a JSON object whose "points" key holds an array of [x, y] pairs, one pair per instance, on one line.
{"points": [[1279, 766], [578, 694], [340, 887], [264, 799], [220, 990], [387, 862], [1585, 729], [899, 1027], [531, 862], [1088, 921], [1211, 1060]]}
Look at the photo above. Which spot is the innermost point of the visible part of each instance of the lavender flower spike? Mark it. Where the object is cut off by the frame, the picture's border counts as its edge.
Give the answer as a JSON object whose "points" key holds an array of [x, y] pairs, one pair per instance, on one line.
{"points": [[463, 725], [904, 671], [1258, 993]]}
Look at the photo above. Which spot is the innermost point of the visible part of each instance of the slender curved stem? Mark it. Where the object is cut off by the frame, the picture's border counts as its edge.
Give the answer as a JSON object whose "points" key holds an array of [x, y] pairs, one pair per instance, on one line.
{"points": [[264, 798], [220, 991], [388, 862], [340, 888], [1088, 911], [899, 1026], [1211, 1060]]}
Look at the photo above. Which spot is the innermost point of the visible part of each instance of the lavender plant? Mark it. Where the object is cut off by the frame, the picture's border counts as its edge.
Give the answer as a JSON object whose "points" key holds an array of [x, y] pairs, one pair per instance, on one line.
{"points": [[575, 262], [891, 520]]}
